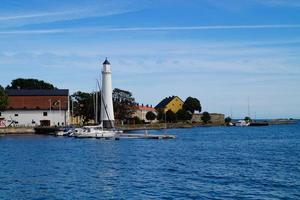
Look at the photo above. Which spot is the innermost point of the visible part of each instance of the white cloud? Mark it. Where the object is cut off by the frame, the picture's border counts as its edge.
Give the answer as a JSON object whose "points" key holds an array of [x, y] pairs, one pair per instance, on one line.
{"points": [[38, 13], [160, 57], [281, 2], [152, 29]]}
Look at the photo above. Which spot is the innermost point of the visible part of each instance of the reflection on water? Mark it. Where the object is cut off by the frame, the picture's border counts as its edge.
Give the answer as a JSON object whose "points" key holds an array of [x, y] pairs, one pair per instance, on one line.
{"points": [[216, 162]]}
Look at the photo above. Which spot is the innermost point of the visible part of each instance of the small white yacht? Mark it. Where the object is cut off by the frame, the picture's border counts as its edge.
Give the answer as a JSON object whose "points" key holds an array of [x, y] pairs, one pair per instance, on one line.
{"points": [[95, 132], [64, 132], [242, 123]]}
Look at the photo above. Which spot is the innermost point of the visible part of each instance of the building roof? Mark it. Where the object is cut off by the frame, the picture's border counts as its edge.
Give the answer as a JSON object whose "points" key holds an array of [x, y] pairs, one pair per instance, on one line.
{"points": [[106, 62], [39, 92], [165, 102], [145, 108]]}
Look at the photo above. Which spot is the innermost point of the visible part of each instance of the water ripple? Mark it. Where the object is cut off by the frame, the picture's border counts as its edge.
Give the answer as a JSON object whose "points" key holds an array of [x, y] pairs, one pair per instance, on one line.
{"points": [[202, 163]]}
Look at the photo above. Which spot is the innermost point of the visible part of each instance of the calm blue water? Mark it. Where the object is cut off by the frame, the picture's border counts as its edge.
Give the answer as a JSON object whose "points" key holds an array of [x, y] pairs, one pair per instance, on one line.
{"points": [[202, 163]]}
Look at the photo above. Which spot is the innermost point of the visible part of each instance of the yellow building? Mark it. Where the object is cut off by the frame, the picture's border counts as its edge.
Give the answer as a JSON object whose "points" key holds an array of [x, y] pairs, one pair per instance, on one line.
{"points": [[173, 103]]}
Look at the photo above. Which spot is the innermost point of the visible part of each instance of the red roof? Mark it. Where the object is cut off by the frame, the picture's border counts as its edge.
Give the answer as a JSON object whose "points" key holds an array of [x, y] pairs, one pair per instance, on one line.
{"points": [[145, 108]]}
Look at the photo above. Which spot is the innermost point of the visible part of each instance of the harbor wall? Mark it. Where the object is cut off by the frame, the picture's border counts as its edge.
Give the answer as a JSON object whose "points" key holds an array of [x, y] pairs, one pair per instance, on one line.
{"points": [[17, 130], [216, 118]]}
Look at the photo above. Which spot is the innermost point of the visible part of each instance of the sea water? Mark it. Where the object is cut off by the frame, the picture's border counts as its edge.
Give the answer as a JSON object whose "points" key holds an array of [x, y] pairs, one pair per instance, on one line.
{"points": [[202, 163]]}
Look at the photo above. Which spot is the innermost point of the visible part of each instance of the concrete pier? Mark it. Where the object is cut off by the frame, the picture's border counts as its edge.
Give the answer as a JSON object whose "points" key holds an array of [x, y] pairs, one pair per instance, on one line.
{"points": [[145, 136]]}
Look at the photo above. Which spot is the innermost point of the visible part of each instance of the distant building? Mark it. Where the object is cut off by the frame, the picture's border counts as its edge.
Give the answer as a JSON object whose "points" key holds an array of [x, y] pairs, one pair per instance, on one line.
{"points": [[141, 111], [173, 103], [36, 107]]}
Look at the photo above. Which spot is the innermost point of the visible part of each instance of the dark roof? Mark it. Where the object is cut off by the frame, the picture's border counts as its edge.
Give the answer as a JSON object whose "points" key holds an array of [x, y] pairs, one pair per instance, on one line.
{"points": [[106, 62], [39, 92], [165, 102]]}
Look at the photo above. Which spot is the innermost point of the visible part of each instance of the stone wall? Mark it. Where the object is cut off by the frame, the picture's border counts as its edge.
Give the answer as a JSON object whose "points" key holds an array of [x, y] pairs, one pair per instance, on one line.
{"points": [[17, 130], [216, 118]]}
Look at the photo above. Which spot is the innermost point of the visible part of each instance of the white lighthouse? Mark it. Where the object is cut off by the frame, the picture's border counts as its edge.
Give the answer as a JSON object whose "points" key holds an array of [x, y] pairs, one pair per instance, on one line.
{"points": [[107, 110]]}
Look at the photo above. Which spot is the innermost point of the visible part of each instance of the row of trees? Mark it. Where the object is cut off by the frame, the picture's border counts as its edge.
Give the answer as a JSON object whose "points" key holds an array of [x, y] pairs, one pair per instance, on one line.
{"points": [[22, 83], [83, 105], [3, 99], [181, 115]]}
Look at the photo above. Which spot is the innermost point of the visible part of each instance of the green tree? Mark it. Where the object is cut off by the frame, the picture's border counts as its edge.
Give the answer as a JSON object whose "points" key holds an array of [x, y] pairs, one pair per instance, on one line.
{"points": [[161, 116], [3, 99], [228, 120], [205, 117], [83, 106], [183, 115], [22, 83], [150, 116], [248, 119], [124, 104], [192, 104], [137, 120], [170, 116]]}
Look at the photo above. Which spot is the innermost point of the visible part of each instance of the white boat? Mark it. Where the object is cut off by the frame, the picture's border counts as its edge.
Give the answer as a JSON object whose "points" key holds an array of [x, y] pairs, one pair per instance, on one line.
{"points": [[242, 123], [64, 132], [95, 132], [74, 132]]}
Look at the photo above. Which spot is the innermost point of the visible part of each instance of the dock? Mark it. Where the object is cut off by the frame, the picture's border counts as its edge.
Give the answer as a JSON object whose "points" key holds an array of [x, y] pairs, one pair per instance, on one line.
{"points": [[53, 130], [145, 136]]}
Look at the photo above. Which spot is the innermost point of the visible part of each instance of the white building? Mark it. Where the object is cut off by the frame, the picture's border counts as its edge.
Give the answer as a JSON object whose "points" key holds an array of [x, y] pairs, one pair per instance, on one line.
{"points": [[141, 112], [36, 107]]}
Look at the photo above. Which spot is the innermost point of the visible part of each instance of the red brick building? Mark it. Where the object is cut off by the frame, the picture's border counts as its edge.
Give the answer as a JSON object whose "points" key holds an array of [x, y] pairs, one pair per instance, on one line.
{"points": [[36, 107]]}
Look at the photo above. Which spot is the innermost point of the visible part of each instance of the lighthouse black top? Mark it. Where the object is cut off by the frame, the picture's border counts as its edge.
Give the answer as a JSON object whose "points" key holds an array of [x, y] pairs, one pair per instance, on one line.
{"points": [[106, 62]]}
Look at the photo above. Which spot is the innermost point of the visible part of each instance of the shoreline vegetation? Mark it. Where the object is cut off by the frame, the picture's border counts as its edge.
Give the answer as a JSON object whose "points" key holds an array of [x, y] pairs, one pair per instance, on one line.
{"points": [[136, 127]]}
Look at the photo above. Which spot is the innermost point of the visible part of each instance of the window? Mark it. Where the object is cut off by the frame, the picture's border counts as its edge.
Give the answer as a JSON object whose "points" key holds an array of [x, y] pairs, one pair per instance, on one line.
{"points": [[45, 114], [16, 115], [0, 113]]}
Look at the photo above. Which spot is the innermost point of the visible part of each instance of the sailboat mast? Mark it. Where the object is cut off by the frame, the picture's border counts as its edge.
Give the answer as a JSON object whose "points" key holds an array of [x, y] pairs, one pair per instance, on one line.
{"points": [[96, 109], [248, 107]]}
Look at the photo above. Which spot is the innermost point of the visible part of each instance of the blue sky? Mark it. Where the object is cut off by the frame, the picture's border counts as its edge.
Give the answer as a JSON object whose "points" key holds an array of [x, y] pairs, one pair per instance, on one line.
{"points": [[222, 52]]}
